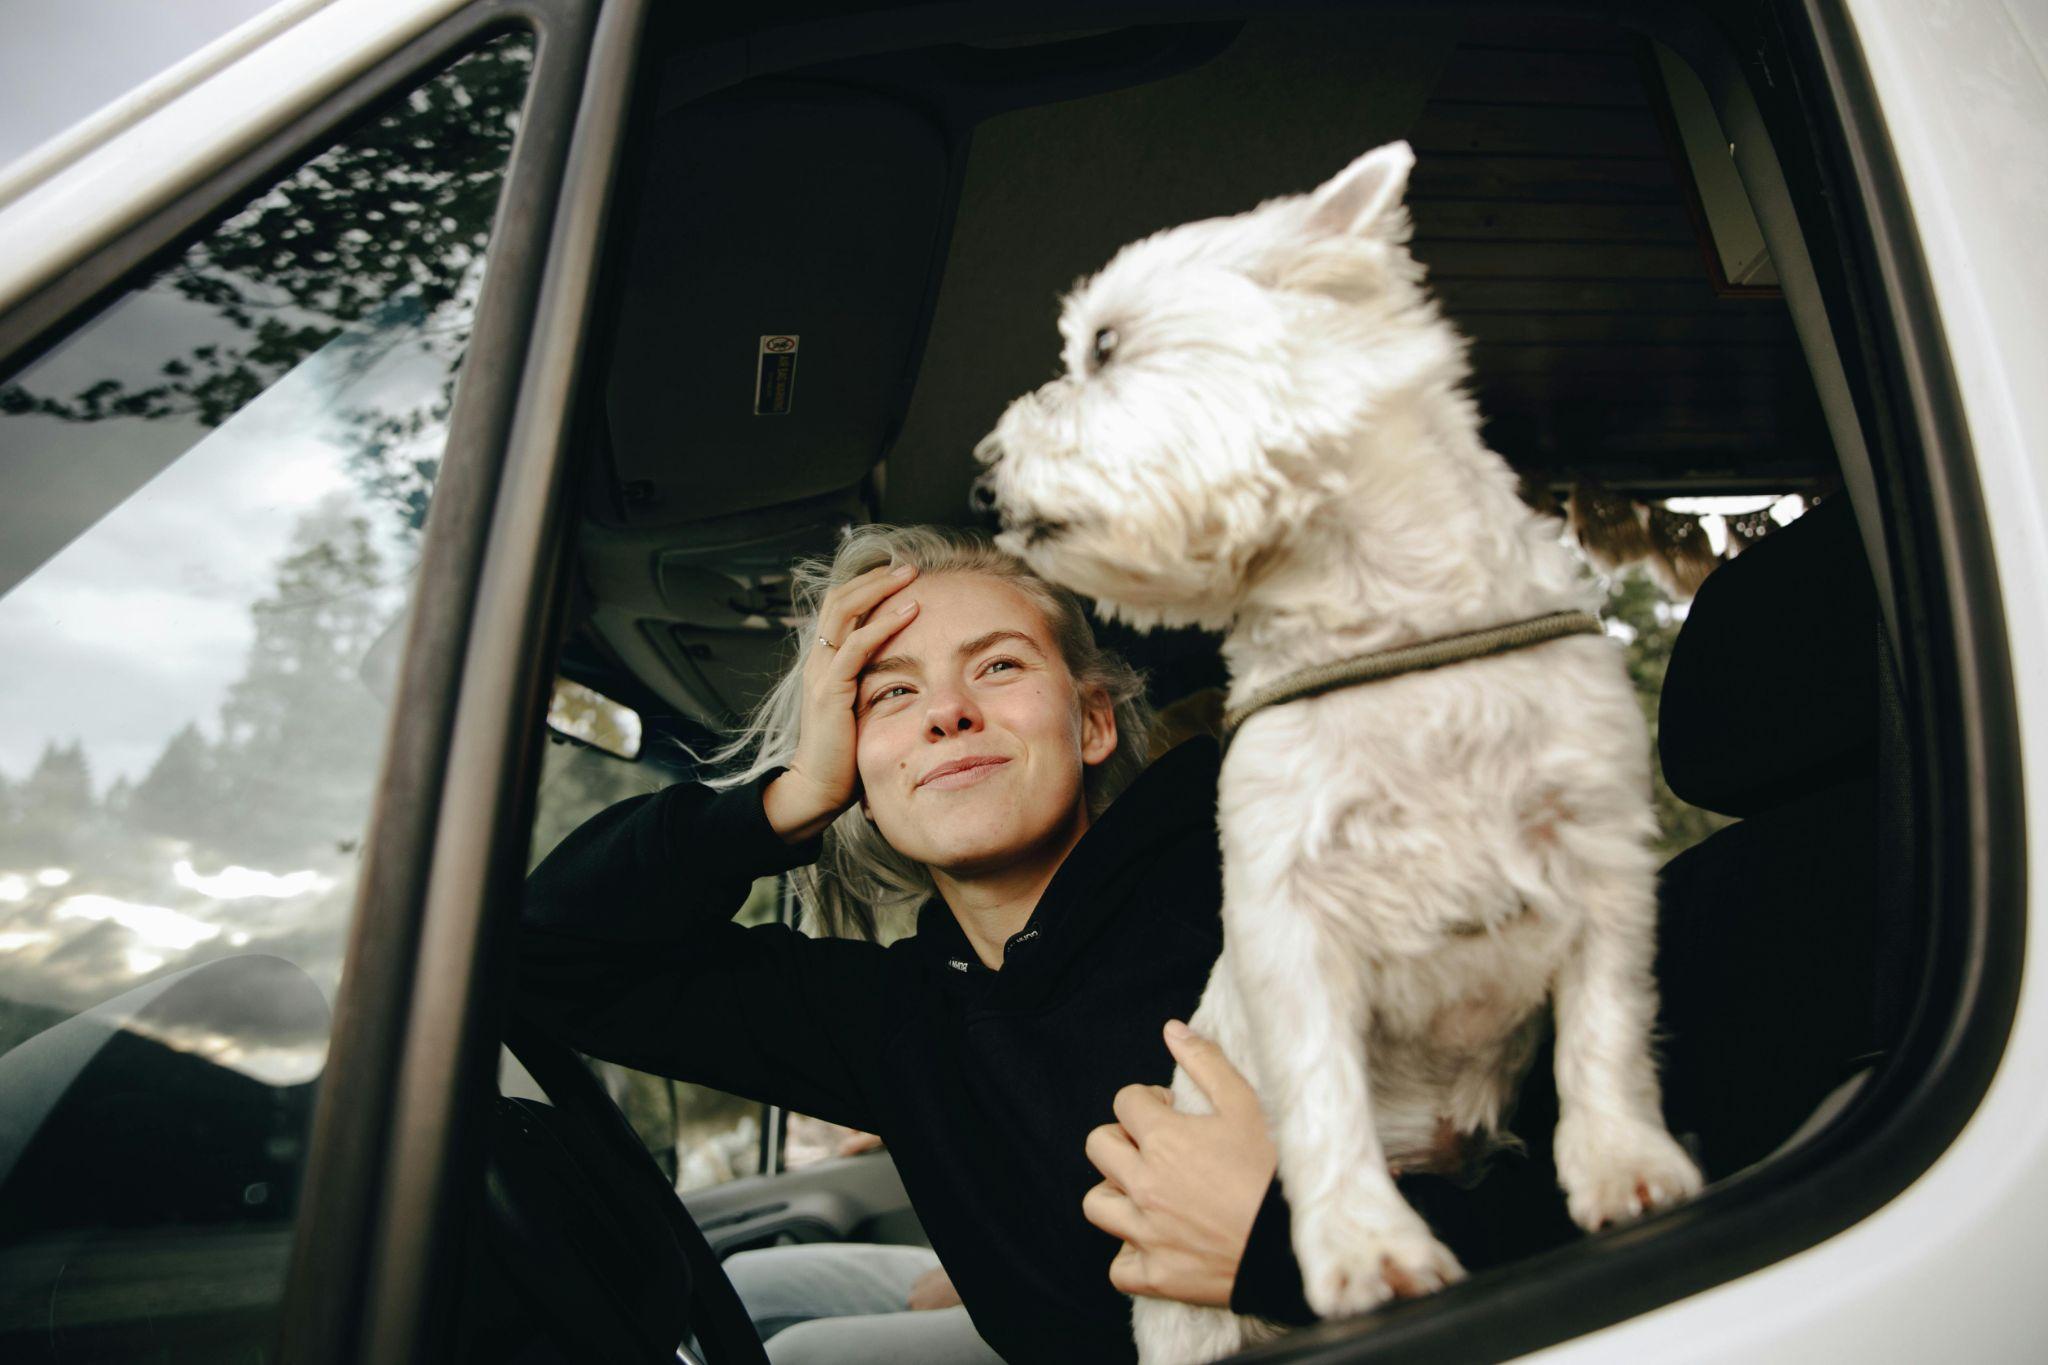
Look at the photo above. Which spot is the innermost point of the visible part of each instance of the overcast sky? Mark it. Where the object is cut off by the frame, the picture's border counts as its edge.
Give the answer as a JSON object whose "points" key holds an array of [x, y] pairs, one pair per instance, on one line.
{"points": [[62, 59]]}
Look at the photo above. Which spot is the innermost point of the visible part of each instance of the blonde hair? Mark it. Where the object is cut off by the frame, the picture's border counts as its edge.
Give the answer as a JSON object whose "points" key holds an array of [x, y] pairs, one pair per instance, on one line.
{"points": [[859, 880]]}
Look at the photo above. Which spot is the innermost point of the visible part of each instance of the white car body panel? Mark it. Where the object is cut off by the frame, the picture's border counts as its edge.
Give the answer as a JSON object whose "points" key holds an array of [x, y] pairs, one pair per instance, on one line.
{"points": [[1949, 1269], [137, 103], [93, 182], [1943, 1271]]}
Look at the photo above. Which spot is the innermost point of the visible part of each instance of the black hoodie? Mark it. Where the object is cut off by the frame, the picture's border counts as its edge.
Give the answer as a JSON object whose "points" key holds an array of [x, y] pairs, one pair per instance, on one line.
{"points": [[983, 1083]]}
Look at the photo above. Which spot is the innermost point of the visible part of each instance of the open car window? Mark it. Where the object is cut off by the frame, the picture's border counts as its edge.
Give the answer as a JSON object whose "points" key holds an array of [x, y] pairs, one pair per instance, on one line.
{"points": [[1628, 218], [698, 1135]]}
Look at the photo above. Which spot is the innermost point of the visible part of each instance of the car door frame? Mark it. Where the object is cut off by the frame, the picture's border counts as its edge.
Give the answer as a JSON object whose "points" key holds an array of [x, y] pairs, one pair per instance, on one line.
{"points": [[415, 1037], [413, 1041]]}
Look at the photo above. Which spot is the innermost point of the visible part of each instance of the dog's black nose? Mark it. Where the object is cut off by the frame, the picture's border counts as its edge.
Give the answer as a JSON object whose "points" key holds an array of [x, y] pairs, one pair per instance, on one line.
{"points": [[982, 497]]}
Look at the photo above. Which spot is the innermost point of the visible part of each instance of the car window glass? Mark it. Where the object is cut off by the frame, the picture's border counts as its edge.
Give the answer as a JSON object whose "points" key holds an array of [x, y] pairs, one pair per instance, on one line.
{"points": [[212, 496]]}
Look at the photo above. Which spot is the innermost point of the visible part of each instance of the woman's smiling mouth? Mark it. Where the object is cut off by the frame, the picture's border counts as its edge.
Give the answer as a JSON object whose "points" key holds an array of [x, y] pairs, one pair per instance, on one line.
{"points": [[962, 772]]}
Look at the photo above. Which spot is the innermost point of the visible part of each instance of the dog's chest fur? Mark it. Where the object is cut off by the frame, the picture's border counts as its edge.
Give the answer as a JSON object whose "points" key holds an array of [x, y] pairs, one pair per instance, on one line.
{"points": [[1439, 824]]}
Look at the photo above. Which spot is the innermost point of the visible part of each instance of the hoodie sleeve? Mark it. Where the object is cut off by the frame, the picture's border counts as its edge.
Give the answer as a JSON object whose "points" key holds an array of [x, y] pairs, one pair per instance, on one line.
{"points": [[627, 951], [1268, 1279]]}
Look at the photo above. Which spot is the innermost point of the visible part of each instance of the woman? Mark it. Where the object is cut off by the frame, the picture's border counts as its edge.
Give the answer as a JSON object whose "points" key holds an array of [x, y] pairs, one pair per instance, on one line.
{"points": [[950, 740]]}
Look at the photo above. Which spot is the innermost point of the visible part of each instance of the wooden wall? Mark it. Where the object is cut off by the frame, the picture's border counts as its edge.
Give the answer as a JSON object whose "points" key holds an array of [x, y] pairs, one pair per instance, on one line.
{"points": [[1551, 214]]}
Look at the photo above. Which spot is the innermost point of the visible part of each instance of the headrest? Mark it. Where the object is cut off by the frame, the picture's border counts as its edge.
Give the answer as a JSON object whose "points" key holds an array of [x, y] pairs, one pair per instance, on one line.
{"points": [[1772, 687]]}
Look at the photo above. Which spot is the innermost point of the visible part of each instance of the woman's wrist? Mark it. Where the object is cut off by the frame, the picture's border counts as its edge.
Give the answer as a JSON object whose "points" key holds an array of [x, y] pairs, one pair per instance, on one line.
{"points": [[793, 808]]}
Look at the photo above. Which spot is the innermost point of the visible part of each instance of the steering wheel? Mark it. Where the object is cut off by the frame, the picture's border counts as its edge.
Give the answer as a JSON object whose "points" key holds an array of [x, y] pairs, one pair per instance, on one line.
{"points": [[597, 1249]]}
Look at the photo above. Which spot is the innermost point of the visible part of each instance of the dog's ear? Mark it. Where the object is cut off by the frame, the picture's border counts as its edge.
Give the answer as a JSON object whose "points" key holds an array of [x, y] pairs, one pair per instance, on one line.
{"points": [[1362, 197]]}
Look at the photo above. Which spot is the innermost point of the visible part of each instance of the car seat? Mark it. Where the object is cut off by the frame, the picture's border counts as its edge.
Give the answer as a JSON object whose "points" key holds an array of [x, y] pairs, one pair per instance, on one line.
{"points": [[1781, 936]]}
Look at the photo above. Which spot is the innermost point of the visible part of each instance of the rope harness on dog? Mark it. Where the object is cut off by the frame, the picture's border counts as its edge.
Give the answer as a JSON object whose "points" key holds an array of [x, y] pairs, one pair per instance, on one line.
{"points": [[1389, 663]]}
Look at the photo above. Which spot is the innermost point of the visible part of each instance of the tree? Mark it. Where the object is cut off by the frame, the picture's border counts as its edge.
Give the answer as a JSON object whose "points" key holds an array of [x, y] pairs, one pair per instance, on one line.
{"points": [[119, 794], [178, 797], [54, 810], [298, 753]]}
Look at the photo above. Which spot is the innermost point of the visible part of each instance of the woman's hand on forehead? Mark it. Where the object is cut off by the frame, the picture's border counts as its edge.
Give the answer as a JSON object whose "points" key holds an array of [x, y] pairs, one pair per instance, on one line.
{"points": [[823, 778]]}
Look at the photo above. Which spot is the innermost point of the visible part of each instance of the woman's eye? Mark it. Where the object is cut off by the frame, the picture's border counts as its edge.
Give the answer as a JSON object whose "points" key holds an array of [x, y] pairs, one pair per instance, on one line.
{"points": [[993, 664], [886, 693]]}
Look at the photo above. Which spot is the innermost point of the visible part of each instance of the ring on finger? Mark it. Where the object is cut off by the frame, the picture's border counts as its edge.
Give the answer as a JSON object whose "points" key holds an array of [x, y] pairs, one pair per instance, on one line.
{"points": [[821, 640]]}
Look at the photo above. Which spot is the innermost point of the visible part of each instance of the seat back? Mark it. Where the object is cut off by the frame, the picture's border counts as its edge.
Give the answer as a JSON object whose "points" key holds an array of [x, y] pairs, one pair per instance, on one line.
{"points": [[1775, 931]]}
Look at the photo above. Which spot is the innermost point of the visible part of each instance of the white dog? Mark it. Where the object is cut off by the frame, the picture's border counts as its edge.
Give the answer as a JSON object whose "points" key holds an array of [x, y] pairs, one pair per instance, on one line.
{"points": [[1261, 429]]}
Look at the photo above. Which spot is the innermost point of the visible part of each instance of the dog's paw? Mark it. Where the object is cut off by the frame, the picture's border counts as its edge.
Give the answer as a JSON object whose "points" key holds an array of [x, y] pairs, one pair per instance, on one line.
{"points": [[1170, 1333], [1357, 1253], [1614, 1171]]}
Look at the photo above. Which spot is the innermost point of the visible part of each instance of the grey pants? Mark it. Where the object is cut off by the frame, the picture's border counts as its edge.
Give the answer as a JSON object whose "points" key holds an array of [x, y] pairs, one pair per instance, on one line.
{"points": [[846, 1303]]}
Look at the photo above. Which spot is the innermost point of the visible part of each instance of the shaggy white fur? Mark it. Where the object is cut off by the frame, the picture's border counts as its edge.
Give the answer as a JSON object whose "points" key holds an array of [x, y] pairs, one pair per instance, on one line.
{"points": [[1262, 429]]}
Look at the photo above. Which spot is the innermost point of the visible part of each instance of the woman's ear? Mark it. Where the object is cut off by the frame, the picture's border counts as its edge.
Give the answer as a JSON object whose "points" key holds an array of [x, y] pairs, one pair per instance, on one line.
{"points": [[1098, 726]]}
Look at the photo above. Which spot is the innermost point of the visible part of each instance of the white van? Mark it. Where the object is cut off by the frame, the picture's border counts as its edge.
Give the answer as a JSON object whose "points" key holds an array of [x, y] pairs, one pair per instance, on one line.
{"points": [[383, 376]]}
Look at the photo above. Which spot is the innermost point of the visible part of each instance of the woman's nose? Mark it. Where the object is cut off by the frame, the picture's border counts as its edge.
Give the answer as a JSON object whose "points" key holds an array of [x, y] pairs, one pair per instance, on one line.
{"points": [[950, 711]]}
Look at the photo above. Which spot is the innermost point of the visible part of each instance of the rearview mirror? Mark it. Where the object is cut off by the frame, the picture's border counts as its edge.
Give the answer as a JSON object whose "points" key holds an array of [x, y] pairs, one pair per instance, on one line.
{"points": [[589, 717]]}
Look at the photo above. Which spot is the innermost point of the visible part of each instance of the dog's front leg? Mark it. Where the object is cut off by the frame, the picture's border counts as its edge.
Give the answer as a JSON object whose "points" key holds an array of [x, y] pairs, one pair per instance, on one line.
{"points": [[1615, 1159], [1303, 988]]}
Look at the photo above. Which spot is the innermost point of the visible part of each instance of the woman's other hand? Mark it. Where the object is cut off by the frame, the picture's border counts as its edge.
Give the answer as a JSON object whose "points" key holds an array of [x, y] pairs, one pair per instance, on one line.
{"points": [[1182, 1190], [933, 1289], [855, 1142], [822, 779]]}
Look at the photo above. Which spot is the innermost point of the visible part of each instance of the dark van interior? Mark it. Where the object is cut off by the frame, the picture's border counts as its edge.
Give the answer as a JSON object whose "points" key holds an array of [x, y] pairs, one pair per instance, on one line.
{"points": [[914, 215]]}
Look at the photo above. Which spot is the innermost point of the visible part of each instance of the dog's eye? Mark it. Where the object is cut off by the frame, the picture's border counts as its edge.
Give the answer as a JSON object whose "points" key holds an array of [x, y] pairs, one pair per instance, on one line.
{"points": [[1105, 347]]}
